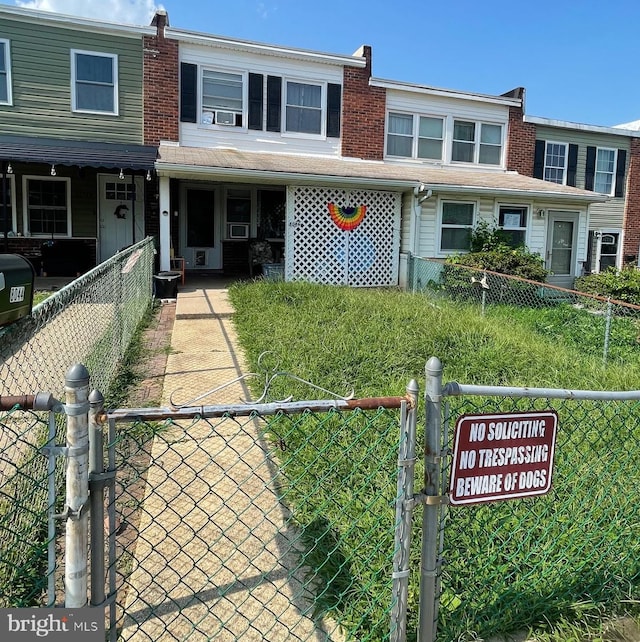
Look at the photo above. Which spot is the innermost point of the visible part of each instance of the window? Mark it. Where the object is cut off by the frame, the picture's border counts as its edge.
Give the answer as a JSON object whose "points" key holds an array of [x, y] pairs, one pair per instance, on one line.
{"points": [[555, 162], [425, 143], [5, 73], [222, 98], [512, 222], [464, 135], [476, 143], [430, 133], [47, 206], [457, 223], [238, 213], [94, 82], [608, 251], [303, 108], [400, 135], [119, 191], [605, 171]]}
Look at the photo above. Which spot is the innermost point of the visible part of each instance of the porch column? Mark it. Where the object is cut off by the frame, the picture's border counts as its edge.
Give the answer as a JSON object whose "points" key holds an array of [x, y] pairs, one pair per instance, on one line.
{"points": [[165, 224]]}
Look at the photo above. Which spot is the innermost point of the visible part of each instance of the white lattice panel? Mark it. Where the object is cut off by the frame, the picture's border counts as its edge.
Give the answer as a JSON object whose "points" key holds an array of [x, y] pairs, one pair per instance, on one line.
{"points": [[319, 251]]}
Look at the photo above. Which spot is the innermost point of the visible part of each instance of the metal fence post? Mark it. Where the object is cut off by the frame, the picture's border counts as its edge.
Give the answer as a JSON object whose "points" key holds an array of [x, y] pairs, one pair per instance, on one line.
{"points": [[77, 485], [607, 332], [96, 488], [404, 512], [430, 513]]}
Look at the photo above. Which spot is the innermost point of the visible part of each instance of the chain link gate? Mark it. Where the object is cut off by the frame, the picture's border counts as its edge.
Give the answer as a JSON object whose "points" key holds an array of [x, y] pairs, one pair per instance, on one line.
{"points": [[507, 567], [255, 522]]}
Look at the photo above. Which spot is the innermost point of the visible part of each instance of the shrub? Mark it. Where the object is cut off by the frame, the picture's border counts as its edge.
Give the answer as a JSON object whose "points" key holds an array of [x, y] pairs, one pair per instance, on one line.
{"points": [[490, 251], [622, 285]]}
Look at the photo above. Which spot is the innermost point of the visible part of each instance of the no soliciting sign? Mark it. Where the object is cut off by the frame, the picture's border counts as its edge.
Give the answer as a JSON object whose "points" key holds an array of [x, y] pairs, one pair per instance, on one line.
{"points": [[502, 456]]}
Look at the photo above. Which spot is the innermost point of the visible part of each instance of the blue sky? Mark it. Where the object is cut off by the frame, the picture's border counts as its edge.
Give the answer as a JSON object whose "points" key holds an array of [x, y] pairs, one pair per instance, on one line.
{"points": [[577, 60]]}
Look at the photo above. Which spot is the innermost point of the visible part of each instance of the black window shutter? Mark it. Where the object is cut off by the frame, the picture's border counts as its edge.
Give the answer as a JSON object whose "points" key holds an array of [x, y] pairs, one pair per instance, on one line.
{"points": [[256, 92], [188, 92], [572, 164], [590, 169], [538, 160], [622, 161], [274, 100], [334, 96]]}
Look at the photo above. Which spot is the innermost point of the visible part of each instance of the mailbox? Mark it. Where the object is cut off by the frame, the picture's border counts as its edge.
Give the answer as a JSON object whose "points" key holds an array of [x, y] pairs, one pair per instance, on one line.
{"points": [[16, 288]]}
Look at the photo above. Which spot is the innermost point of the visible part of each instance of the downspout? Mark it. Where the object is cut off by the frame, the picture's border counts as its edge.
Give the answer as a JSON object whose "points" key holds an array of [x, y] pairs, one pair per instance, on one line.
{"points": [[421, 193]]}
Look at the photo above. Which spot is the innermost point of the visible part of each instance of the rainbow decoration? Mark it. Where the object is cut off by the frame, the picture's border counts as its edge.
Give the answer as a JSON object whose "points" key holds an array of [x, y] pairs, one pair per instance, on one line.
{"points": [[347, 218]]}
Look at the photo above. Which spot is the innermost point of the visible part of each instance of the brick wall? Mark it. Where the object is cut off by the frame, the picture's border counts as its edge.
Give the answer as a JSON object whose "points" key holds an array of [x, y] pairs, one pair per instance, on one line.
{"points": [[363, 113], [632, 206], [161, 90], [521, 143]]}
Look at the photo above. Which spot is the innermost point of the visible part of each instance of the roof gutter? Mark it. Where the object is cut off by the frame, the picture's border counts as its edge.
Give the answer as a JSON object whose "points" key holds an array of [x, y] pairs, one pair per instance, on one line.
{"points": [[448, 93], [269, 176], [519, 193], [62, 20], [171, 169], [260, 48], [549, 122]]}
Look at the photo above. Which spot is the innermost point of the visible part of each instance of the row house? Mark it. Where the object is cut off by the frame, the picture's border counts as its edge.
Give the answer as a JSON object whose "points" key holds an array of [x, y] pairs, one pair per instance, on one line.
{"points": [[343, 174], [603, 160], [303, 157], [73, 164]]}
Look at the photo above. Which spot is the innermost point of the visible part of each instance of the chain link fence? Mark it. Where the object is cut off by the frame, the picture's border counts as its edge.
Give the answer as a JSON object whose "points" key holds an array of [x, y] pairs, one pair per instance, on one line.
{"points": [[606, 329], [92, 320], [89, 321], [277, 524], [571, 555]]}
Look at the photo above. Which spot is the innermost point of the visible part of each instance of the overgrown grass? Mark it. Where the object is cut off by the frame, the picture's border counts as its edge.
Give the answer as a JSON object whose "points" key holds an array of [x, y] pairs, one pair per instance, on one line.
{"points": [[375, 341]]}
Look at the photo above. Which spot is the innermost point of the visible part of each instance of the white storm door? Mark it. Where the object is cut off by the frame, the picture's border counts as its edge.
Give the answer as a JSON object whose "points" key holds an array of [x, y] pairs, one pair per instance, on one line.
{"points": [[120, 213]]}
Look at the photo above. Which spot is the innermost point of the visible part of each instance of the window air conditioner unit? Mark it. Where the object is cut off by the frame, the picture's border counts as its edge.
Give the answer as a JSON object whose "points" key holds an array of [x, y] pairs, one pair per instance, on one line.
{"points": [[238, 230], [225, 118]]}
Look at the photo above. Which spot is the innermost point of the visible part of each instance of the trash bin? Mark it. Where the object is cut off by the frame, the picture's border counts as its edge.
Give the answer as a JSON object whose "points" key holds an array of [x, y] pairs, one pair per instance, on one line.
{"points": [[166, 285]]}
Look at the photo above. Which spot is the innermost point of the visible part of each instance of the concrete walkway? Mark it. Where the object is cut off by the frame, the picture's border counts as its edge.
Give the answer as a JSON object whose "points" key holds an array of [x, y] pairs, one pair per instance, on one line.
{"points": [[215, 556]]}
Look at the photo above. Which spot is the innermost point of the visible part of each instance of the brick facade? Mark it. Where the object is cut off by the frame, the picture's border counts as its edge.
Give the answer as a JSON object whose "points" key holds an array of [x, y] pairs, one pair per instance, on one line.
{"points": [[632, 206], [363, 113], [521, 143], [161, 89]]}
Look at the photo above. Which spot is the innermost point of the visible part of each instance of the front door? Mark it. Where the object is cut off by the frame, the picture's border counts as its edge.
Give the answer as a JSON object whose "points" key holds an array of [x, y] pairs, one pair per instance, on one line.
{"points": [[561, 248], [121, 213], [200, 233]]}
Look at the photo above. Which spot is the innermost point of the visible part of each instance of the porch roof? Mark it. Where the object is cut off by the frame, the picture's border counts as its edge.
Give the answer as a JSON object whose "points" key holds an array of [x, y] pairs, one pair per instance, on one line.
{"points": [[76, 152], [270, 167]]}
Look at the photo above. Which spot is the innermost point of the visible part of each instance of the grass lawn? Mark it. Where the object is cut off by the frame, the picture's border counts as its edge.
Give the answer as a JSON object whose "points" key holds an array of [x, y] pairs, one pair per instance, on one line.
{"points": [[40, 295], [559, 565]]}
